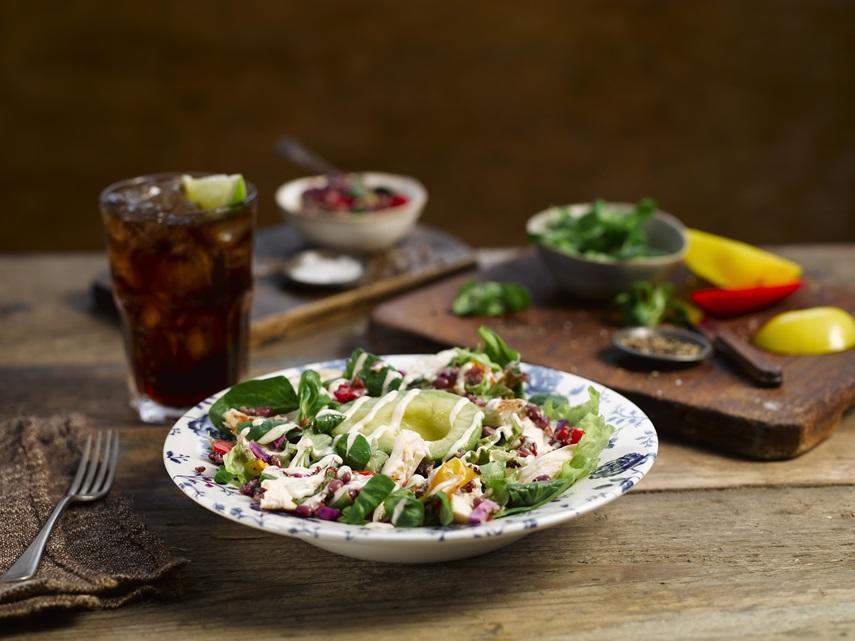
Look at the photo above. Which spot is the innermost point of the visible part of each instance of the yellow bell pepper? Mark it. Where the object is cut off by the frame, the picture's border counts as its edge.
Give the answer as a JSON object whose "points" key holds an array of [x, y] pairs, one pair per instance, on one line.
{"points": [[255, 466], [731, 263], [816, 330], [451, 476]]}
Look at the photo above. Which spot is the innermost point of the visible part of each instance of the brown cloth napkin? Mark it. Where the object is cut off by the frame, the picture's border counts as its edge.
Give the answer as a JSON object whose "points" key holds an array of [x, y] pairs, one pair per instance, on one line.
{"points": [[99, 556]]}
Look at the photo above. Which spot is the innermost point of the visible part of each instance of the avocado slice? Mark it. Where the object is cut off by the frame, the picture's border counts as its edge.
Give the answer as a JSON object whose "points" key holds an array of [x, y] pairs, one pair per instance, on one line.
{"points": [[427, 412]]}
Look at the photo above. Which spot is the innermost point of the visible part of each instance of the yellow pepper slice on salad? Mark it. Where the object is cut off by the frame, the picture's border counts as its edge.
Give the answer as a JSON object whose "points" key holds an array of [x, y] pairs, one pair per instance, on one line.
{"points": [[731, 263], [451, 476], [816, 330]]}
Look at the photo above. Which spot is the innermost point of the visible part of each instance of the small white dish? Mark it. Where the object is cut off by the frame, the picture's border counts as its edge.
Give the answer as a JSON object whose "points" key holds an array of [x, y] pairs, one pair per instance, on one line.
{"points": [[625, 461], [369, 231], [323, 269]]}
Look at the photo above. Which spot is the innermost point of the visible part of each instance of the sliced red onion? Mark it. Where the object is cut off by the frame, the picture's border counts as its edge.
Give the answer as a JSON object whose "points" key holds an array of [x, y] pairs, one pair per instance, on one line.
{"points": [[258, 452], [327, 513], [483, 512], [278, 443]]}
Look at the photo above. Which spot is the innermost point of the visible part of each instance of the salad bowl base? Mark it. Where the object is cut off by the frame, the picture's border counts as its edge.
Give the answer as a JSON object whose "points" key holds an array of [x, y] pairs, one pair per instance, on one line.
{"points": [[418, 552]]}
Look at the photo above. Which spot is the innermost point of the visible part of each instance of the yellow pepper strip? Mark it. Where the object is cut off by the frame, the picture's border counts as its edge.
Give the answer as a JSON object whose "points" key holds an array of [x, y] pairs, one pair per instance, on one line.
{"points": [[255, 466], [731, 263], [816, 330], [451, 476]]}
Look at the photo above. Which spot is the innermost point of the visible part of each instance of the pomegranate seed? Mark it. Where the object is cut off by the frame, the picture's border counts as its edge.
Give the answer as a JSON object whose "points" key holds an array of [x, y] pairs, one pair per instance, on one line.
{"points": [[304, 511], [536, 415], [543, 477], [575, 435], [335, 486], [563, 435], [199, 469]]}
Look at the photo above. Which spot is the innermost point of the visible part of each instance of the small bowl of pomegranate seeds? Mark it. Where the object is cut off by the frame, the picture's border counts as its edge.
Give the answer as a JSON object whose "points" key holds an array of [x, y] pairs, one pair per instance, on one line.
{"points": [[364, 211]]}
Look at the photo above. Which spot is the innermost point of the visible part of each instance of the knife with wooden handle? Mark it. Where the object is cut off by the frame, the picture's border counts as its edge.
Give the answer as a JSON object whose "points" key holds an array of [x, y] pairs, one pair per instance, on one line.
{"points": [[750, 360]]}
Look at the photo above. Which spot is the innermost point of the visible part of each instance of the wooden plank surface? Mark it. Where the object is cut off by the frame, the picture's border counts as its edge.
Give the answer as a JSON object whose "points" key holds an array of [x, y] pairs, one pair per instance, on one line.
{"points": [[708, 547], [766, 423]]}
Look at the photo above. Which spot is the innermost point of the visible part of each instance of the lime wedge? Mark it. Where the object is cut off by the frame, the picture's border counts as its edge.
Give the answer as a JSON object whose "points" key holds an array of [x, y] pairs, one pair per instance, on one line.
{"points": [[214, 191]]}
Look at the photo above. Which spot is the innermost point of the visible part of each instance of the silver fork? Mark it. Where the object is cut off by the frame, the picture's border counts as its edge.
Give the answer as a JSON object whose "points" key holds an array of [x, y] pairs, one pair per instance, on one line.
{"points": [[93, 480]]}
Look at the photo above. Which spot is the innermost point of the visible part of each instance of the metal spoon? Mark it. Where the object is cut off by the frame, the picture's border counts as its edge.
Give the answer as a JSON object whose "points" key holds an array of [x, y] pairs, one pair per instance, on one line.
{"points": [[293, 150]]}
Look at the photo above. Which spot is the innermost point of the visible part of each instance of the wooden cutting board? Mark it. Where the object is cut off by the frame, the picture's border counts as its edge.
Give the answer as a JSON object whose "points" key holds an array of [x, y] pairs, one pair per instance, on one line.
{"points": [[709, 404], [280, 307]]}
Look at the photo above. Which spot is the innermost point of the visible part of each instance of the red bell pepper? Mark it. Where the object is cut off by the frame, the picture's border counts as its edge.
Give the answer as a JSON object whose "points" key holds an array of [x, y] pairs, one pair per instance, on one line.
{"points": [[725, 303]]}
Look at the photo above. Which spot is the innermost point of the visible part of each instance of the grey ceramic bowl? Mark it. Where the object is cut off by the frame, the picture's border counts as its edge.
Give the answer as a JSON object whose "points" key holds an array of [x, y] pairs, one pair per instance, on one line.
{"points": [[602, 278]]}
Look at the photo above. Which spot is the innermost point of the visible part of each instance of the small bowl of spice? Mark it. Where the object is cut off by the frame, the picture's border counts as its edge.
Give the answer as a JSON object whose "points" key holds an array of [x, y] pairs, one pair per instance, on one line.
{"points": [[662, 344]]}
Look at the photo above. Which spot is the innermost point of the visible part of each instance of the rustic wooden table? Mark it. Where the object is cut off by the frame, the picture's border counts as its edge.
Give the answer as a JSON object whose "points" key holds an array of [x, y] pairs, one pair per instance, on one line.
{"points": [[708, 547]]}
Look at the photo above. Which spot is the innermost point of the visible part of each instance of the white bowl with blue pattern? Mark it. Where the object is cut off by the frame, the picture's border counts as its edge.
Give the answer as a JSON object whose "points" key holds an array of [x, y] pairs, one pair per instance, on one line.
{"points": [[625, 461]]}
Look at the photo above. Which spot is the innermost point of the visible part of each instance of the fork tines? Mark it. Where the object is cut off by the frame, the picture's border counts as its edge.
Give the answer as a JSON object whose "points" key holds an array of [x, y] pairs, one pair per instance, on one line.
{"points": [[97, 468]]}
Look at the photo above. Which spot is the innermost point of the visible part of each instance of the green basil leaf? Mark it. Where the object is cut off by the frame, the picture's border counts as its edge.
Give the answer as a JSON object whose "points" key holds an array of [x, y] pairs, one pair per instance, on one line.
{"points": [[373, 494], [404, 509], [277, 393]]}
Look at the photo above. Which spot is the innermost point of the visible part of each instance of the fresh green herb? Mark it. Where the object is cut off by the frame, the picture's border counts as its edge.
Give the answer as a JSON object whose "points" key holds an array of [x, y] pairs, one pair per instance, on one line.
{"points": [[377, 376], [438, 509], [257, 431], [647, 304], [356, 454], [490, 299], [496, 349], [327, 422], [312, 397], [373, 494], [411, 514], [601, 232], [277, 393]]}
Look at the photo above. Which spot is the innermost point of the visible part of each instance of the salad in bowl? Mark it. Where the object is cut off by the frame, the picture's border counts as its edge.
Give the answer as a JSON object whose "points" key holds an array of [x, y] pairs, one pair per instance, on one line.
{"points": [[360, 454]]}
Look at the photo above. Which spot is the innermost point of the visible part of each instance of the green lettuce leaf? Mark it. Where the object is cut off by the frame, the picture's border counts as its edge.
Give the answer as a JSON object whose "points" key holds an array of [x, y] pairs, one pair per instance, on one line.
{"points": [[558, 407]]}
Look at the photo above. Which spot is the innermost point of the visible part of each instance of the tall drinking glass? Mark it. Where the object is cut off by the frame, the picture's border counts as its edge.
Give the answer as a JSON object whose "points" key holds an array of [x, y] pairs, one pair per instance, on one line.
{"points": [[182, 281]]}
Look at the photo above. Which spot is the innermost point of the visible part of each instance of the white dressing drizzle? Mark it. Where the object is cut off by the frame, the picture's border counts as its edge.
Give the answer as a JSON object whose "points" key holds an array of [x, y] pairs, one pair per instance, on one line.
{"points": [[359, 402], [357, 366], [456, 410], [476, 425], [391, 376]]}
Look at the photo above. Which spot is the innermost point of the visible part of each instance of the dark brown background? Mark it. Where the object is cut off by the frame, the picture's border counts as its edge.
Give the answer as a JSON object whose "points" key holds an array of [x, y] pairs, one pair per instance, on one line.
{"points": [[737, 116]]}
